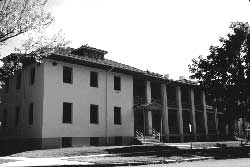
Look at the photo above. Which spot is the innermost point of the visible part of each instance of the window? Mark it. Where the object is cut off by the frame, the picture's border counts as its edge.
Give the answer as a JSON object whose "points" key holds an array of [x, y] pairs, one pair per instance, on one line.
{"points": [[93, 79], [18, 81], [117, 115], [118, 140], [67, 112], [117, 83], [93, 114], [66, 142], [67, 75], [17, 115], [6, 86], [31, 108], [94, 141], [5, 117], [32, 75]]}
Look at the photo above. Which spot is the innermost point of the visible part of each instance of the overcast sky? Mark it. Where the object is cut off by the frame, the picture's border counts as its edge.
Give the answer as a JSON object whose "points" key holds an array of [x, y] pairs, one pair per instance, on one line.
{"points": [[156, 35]]}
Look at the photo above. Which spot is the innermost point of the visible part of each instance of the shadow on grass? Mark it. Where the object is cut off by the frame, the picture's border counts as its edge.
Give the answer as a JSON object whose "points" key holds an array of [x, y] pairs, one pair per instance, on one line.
{"points": [[222, 152]]}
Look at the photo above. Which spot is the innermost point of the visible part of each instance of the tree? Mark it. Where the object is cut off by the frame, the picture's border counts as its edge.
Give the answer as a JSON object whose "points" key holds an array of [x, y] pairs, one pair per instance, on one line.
{"points": [[225, 72], [37, 47], [20, 16]]}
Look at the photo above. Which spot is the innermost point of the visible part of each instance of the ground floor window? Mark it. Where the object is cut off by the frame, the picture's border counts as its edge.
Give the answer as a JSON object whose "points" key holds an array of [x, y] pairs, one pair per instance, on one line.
{"points": [[66, 141], [94, 141]]}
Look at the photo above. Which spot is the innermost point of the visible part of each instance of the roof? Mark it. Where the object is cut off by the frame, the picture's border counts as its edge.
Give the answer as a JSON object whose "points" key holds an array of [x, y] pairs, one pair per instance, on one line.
{"points": [[90, 48], [107, 64]]}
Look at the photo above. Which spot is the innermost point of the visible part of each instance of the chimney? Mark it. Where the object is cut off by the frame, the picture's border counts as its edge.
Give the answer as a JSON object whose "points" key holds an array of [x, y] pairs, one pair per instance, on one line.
{"points": [[181, 78], [166, 76]]}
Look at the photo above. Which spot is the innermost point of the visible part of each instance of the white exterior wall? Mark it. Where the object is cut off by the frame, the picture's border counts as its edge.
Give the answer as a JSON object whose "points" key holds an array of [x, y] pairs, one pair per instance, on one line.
{"points": [[82, 95], [23, 97]]}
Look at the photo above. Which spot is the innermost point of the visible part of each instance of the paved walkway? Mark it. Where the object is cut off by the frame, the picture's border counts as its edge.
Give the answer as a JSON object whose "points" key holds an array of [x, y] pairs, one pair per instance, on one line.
{"points": [[23, 161]]}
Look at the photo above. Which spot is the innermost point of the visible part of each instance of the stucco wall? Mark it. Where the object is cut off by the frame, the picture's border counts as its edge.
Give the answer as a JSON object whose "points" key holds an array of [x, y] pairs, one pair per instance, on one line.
{"points": [[82, 95], [23, 97]]}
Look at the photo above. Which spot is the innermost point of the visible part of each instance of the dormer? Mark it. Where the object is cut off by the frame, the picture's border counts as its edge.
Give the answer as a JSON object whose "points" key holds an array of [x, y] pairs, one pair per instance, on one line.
{"points": [[89, 52]]}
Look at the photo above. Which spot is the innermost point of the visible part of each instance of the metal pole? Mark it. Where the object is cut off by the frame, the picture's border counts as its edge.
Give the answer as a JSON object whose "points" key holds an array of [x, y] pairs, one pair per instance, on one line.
{"points": [[143, 124]]}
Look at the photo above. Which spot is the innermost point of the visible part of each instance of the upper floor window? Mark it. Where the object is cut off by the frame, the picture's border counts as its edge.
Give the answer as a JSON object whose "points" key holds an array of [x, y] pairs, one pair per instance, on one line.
{"points": [[6, 86], [117, 115], [67, 112], [17, 115], [93, 114], [32, 75], [31, 108], [18, 80], [93, 79], [117, 83], [67, 75]]}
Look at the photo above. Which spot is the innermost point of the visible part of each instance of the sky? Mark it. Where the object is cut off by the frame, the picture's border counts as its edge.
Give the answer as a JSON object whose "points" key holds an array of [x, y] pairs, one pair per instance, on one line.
{"points": [[161, 36]]}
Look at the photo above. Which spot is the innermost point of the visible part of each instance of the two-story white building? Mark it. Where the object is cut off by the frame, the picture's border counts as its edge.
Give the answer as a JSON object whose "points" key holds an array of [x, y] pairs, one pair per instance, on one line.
{"points": [[81, 98]]}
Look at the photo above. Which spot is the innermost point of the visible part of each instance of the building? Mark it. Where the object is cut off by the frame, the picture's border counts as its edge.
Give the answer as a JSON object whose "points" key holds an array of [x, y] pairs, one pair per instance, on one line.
{"points": [[81, 98]]}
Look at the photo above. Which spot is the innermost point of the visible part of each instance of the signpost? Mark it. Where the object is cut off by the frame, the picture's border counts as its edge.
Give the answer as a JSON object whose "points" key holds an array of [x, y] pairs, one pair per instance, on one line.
{"points": [[190, 130]]}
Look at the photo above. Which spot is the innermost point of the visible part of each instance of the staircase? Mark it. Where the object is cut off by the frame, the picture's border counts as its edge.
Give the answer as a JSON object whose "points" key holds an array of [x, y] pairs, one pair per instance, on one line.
{"points": [[148, 139]]}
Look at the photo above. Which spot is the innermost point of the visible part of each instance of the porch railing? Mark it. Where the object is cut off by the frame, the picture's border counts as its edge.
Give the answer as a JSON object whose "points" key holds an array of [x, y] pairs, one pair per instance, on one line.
{"points": [[156, 134], [172, 103], [199, 107], [139, 100], [173, 130]]}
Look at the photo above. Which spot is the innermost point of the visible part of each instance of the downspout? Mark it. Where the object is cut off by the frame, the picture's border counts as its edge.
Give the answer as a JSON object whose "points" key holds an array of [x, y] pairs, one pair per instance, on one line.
{"points": [[106, 128]]}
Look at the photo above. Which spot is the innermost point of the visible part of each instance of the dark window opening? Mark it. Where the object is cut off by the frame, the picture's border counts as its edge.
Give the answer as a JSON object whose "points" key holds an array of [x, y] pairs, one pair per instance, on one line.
{"points": [[31, 108], [93, 79], [118, 140], [117, 83], [17, 115], [5, 117], [32, 75], [117, 115], [66, 142], [67, 75], [18, 81], [93, 114], [94, 141], [6, 86], [67, 112]]}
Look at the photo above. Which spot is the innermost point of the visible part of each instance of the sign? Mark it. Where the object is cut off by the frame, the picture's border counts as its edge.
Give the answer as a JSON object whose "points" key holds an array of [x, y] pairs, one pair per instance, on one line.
{"points": [[190, 128]]}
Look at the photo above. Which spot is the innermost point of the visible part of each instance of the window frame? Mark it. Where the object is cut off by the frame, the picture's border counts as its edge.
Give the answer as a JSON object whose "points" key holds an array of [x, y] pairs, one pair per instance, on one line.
{"points": [[32, 75], [17, 116], [18, 80], [5, 118], [65, 77], [119, 121], [117, 83], [93, 79], [65, 119], [95, 119], [31, 114]]}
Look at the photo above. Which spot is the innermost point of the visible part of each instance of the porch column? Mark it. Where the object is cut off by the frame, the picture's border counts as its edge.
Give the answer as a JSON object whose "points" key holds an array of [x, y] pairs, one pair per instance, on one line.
{"points": [[165, 127], [148, 114], [179, 113], [193, 121], [205, 113], [216, 121]]}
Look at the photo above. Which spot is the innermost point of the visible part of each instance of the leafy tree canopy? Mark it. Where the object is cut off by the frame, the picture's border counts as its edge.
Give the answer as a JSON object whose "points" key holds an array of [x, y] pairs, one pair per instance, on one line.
{"points": [[20, 16], [37, 47], [225, 72]]}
